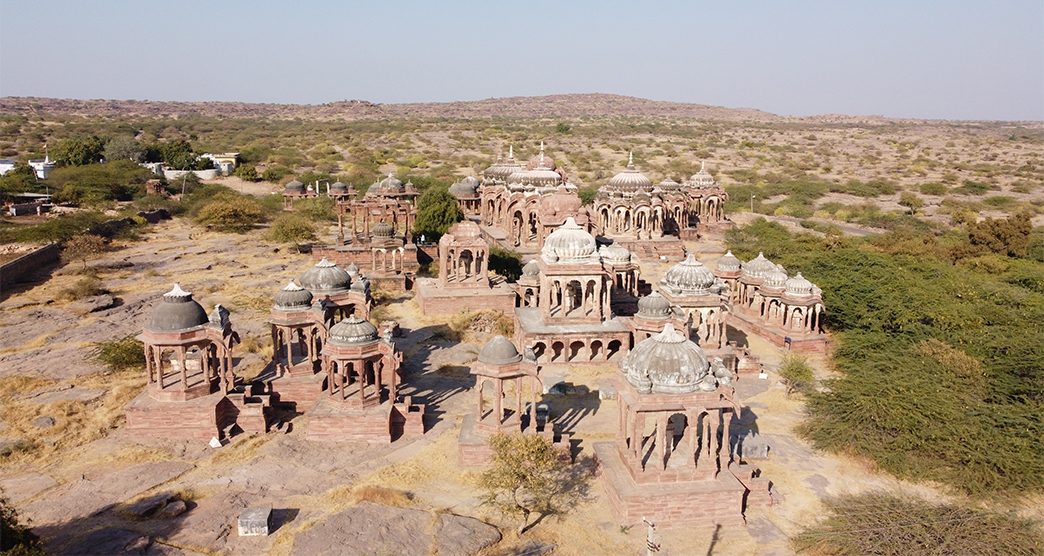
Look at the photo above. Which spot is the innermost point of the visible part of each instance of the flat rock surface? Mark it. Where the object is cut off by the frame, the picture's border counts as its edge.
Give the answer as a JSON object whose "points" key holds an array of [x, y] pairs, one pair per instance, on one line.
{"points": [[23, 487], [66, 394], [375, 529], [94, 493]]}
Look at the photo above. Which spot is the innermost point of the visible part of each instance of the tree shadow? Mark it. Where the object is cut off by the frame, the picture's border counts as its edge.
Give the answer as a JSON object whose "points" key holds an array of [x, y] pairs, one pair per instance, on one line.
{"points": [[736, 335], [744, 437]]}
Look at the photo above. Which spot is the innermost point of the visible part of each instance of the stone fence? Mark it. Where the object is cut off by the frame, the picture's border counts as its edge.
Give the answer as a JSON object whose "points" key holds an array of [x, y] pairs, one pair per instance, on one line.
{"points": [[201, 174], [17, 270]]}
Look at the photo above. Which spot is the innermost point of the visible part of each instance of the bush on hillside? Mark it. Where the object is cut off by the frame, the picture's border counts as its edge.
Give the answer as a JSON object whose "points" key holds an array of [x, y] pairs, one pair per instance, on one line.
{"points": [[291, 228], [231, 213]]}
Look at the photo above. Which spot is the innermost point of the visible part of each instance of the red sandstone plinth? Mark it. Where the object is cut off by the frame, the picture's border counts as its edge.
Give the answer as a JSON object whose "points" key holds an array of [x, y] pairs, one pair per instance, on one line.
{"points": [[201, 418]]}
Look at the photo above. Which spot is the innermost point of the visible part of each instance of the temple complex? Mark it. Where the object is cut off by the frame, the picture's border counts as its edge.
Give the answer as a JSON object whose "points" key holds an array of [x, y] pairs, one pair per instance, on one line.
{"points": [[379, 235], [785, 310], [671, 461], [464, 283], [192, 391]]}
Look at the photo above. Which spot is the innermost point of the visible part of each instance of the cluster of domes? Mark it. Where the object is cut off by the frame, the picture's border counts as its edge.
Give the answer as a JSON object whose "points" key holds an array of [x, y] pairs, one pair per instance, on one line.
{"points": [[773, 278], [501, 169], [570, 243], [691, 277], [668, 363], [353, 331], [325, 278], [177, 311]]}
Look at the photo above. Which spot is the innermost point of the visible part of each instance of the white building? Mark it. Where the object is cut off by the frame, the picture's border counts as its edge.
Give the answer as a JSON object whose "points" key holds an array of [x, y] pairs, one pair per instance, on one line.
{"points": [[43, 167], [6, 165]]}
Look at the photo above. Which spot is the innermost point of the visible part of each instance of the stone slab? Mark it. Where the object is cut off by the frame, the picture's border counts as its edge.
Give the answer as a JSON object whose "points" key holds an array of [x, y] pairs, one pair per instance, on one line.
{"points": [[254, 522]]}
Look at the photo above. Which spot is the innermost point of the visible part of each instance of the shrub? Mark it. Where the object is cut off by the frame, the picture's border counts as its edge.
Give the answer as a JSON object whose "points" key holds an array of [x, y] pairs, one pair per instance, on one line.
{"points": [[910, 201], [877, 523], [291, 228], [122, 354], [797, 374], [228, 213], [83, 247], [933, 188], [320, 209], [60, 228], [246, 172], [85, 287]]}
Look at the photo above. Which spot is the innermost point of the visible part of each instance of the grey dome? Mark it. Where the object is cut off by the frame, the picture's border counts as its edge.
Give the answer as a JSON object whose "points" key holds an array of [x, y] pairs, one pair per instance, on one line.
{"points": [[531, 269], [630, 179], [383, 229], [758, 267], [798, 285], [295, 186], [353, 330], [569, 243], [499, 351], [390, 185], [654, 306], [177, 311], [339, 186], [465, 188], [352, 269], [667, 363], [325, 277], [293, 297], [615, 253], [361, 284], [689, 275]]}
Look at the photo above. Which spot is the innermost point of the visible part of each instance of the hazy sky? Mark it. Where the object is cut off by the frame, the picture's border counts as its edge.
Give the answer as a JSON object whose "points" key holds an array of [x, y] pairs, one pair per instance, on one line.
{"points": [[934, 59]]}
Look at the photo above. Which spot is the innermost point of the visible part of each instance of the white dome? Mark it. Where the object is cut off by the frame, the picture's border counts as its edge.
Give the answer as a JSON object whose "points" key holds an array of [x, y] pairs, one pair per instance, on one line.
{"points": [[667, 363], [758, 267], [570, 243], [799, 286], [615, 253], [689, 275], [776, 278], [629, 179], [729, 262]]}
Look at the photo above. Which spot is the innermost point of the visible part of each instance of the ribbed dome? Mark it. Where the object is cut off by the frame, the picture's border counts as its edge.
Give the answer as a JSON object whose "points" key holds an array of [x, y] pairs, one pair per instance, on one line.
{"points": [[465, 188], [669, 184], [501, 169], [629, 179], [729, 262], [177, 311], [293, 297], [798, 285], [383, 229], [689, 275], [531, 269], [776, 278], [465, 229], [499, 351], [654, 306], [295, 186], [390, 185], [353, 330], [758, 267], [702, 179], [325, 278], [667, 363], [361, 284], [569, 243], [615, 253]]}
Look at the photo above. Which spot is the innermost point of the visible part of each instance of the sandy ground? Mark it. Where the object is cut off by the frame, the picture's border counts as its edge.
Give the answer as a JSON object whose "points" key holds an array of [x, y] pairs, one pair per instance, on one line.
{"points": [[84, 473]]}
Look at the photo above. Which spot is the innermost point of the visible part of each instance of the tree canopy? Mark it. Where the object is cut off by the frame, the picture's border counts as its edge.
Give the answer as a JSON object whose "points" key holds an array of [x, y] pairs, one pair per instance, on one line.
{"points": [[78, 151], [437, 211]]}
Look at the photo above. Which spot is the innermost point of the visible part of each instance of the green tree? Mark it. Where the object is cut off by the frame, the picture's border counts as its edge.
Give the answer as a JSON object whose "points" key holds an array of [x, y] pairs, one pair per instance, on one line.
{"points": [[202, 163], [527, 475], [1007, 236], [231, 213], [20, 179], [587, 194], [437, 211], [291, 228], [911, 201], [796, 374], [78, 151], [563, 127], [177, 154], [83, 248], [246, 172], [124, 147]]}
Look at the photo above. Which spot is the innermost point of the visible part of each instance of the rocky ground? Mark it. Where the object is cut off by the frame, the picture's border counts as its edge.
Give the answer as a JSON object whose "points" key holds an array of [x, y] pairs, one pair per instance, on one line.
{"points": [[89, 485]]}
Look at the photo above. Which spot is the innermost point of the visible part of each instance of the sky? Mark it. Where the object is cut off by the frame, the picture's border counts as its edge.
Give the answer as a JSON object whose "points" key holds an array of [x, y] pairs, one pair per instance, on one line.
{"points": [[956, 59]]}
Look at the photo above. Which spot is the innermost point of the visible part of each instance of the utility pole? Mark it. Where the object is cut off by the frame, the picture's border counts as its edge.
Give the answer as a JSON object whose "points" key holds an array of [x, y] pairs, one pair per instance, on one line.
{"points": [[752, 202]]}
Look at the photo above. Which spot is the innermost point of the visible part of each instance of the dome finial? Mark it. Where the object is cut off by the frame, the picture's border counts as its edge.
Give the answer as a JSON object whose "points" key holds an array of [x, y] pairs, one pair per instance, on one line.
{"points": [[630, 159], [176, 291], [511, 152], [702, 164]]}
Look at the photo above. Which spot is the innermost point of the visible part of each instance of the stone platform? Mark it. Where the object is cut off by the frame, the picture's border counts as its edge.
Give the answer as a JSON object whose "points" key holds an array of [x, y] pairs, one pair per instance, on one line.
{"points": [[572, 343], [700, 503], [201, 418], [333, 421], [651, 250], [435, 300], [300, 390], [800, 343]]}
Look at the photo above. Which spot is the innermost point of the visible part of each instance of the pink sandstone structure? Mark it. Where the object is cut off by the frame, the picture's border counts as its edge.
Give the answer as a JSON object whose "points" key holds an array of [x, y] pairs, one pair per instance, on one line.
{"points": [[464, 283], [787, 311], [671, 461], [192, 390]]}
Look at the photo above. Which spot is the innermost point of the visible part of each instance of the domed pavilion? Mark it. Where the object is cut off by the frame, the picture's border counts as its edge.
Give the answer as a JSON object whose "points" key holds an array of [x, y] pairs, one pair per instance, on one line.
{"points": [[672, 459], [464, 282]]}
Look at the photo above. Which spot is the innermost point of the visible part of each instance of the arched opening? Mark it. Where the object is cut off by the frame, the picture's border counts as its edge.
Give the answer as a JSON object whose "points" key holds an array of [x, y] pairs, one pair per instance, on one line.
{"points": [[596, 349], [574, 350], [538, 349], [556, 351], [613, 349]]}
